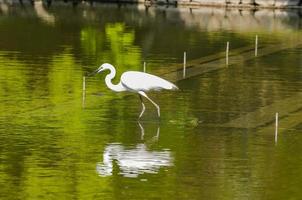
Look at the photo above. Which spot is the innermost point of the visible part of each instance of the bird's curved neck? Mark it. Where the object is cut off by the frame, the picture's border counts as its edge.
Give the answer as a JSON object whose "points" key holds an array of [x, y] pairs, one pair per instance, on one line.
{"points": [[108, 80]]}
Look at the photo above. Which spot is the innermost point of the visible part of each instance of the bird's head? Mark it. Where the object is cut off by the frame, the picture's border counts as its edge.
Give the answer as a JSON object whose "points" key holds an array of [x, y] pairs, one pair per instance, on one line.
{"points": [[104, 67], [101, 68]]}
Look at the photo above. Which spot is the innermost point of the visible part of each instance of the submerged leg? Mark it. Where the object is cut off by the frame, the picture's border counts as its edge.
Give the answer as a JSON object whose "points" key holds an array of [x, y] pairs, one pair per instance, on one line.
{"points": [[155, 138], [143, 105], [142, 131], [157, 106]]}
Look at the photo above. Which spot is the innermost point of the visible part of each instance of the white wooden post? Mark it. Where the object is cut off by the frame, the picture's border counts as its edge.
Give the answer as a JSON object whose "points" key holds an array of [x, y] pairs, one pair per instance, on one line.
{"points": [[276, 129], [256, 46], [227, 53], [84, 91], [185, 62]]}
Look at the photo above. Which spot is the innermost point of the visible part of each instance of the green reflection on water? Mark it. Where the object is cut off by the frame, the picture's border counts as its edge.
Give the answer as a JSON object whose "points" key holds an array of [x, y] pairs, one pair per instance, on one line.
{"points": [[50, 145], [115, 45]]}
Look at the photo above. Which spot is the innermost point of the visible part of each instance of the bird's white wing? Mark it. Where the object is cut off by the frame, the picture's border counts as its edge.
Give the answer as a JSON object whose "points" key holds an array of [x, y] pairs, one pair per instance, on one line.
{"points": [[140, 81]]}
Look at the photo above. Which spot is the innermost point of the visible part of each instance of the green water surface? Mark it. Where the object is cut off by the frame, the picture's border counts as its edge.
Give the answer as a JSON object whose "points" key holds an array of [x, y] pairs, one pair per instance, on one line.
{"points": [[56, 145]]}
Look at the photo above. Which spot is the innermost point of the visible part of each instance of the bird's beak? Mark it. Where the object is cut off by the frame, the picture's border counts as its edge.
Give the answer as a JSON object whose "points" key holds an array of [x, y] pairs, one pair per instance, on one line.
{"points": [[100, 70], [94, 72]]}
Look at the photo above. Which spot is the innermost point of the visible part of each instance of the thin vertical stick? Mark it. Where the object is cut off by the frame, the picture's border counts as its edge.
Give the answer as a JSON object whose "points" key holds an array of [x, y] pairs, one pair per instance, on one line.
{"points": [[84, 91], [256, 46], [276, 129], [84, 83], [144, 66], [185, 62], [227, 53]]}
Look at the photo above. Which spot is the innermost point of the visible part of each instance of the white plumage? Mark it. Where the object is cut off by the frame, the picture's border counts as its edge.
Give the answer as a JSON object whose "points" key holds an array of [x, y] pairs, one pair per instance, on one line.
{"points": [[141, 81], [138, 82]]}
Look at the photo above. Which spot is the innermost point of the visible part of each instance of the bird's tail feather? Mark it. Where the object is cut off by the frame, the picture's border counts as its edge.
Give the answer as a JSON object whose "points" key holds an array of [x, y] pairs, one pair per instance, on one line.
{"points": [[174, 87]]}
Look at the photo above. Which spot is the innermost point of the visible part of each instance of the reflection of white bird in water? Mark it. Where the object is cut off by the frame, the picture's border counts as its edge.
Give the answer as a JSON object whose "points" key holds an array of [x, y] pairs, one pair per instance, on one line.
{"points": [[133, 161], [137, 82]]}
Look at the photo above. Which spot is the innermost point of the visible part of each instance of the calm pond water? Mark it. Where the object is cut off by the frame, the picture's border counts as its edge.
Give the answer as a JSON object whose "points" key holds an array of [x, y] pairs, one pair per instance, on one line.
{"points": [[216, 137]]}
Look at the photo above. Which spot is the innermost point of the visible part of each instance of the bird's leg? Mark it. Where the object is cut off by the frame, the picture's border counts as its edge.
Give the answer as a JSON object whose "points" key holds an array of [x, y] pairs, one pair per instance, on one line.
{"points": [[157, 106], [142, 131], [143, 105], [157, 134]]}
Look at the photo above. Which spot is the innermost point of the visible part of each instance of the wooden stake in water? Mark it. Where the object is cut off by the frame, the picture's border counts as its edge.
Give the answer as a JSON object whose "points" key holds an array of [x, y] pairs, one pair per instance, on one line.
{"points": [[185, 63], [144, 66], [84, 91], [256, 46], [276, 129], [227, 53]]}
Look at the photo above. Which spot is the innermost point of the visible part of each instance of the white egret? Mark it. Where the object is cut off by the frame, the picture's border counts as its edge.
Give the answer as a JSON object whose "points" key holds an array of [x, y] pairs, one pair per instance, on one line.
{"points": [[137, 82]]}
